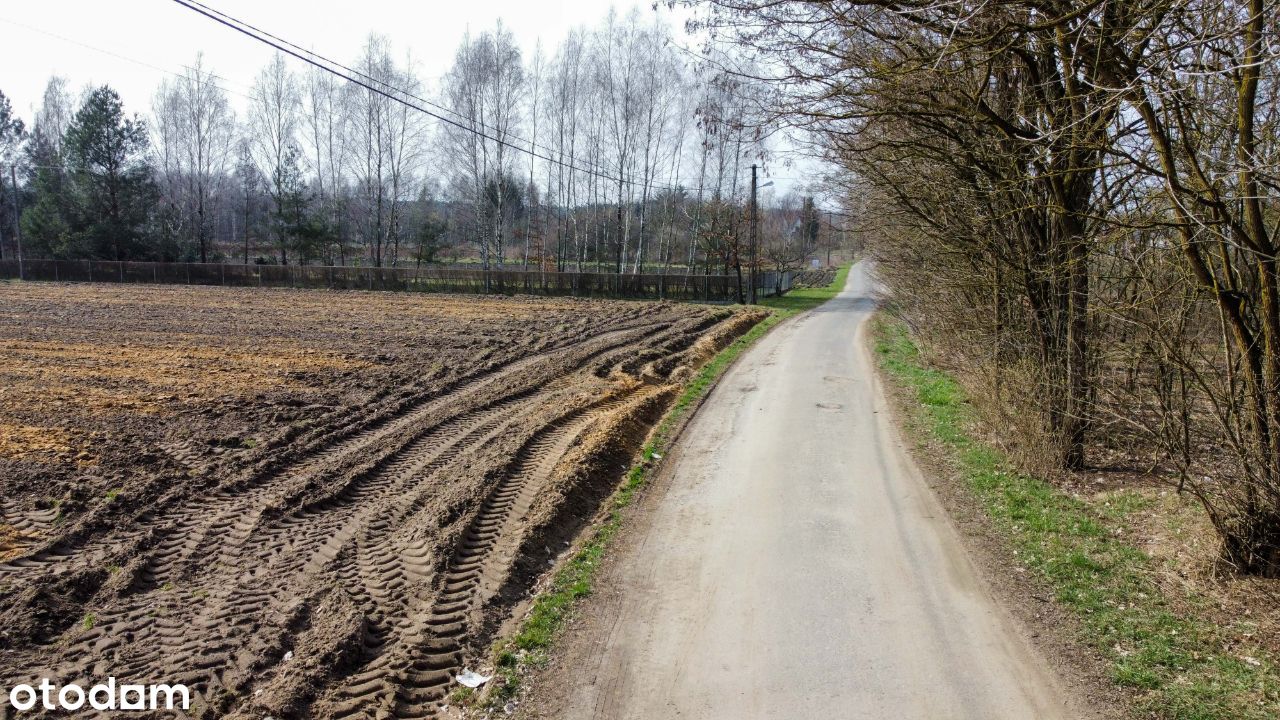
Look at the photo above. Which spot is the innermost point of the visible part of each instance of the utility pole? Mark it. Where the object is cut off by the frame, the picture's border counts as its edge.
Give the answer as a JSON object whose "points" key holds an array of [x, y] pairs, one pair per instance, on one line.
{"points": [[15, 222], [755, 235], [844, 233], [17, 219], [831, 241]]}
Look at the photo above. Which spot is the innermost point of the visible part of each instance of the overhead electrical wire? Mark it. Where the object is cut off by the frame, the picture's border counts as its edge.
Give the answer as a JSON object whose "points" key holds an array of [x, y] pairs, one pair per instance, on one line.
{"points": [[358, 72], [355, 77]]}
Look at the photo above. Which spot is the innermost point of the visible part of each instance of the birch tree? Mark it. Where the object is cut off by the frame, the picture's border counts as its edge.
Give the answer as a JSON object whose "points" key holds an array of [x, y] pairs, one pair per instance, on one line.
{"points": [[273, 123], [194, 134], [483, 92], [327, 131]]}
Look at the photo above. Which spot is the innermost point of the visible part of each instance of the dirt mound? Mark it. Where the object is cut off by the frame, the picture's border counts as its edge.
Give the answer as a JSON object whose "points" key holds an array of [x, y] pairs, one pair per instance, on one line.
{"points": [[305, 504]]}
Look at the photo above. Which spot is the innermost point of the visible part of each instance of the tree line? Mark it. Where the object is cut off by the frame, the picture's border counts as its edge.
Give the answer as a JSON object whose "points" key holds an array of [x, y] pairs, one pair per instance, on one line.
{"points": [[615, 153], [1076, 202]]}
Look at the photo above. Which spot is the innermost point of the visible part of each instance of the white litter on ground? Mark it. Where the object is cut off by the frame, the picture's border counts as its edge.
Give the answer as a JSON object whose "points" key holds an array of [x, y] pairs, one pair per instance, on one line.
{"points": [[472, 679]]}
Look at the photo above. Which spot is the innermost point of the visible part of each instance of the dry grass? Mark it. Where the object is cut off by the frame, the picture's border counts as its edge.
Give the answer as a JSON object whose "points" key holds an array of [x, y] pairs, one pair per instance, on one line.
{"points": [[1176, 533]]}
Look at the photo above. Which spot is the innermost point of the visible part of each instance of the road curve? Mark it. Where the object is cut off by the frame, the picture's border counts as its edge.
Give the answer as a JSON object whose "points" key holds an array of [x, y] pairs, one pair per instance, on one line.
{"points": [[798, 565]]}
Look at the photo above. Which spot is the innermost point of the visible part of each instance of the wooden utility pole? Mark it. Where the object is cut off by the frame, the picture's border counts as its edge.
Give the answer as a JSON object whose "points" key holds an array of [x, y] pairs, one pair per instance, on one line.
{"points": [[755, 236], [15, 222], [831, 241], [17, 219]]}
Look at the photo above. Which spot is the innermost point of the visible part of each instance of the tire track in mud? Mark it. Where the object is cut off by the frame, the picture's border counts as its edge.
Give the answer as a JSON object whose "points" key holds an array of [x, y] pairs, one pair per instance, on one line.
{"points": [[376, 518], [29, 524], [290, 554], [408, 678], [19, 530], [449, 435], [238, 505], [300, 544]]}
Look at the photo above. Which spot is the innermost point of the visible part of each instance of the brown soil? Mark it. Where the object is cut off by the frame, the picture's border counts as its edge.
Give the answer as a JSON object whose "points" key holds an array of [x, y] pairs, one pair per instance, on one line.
{"points": [[304, 504]]}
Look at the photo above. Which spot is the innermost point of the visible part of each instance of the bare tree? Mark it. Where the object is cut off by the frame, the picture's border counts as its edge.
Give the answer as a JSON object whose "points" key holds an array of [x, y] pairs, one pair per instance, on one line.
{"points": [[273, 123], [483, 91], [193, 137], [534, 114], [660, 85], [563, 109], [387, 142], [56, 111], [327, 138], [619, 50]]}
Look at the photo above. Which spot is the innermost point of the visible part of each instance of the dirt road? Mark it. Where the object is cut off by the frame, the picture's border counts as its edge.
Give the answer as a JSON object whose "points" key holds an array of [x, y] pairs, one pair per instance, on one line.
{"points": [[797, 565]]}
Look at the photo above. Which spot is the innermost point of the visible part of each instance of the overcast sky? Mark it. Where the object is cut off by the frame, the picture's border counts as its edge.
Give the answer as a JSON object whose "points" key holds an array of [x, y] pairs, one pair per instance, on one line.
{"points": [[159, 35]]}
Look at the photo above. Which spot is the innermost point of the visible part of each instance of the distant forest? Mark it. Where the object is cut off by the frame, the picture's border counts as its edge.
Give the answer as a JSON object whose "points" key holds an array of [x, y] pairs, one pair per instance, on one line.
{"points": [[615, 153]]}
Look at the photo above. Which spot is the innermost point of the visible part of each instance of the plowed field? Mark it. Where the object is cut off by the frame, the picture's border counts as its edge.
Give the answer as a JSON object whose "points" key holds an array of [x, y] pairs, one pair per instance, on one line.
{"points": [[305, 504]]}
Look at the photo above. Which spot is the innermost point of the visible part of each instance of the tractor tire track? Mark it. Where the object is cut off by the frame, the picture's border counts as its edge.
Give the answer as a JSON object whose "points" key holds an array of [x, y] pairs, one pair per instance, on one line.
{"points": [[409, 521], [239, 505], [298, 546], [296, 551], [410, 676]]}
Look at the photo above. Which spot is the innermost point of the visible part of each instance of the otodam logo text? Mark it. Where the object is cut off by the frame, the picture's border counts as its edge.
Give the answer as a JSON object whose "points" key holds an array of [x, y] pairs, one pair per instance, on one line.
{"points": [[103, 696]]}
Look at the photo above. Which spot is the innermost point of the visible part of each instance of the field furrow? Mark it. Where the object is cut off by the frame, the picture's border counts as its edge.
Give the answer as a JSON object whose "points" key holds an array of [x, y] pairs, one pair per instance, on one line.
{"points": [[331, 541]]}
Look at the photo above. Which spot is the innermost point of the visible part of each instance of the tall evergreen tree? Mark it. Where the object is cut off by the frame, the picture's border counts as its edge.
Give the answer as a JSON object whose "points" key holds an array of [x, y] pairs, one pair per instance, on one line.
{"points": [[112, 192], [45, 229], [11, 135], [292, 223]]}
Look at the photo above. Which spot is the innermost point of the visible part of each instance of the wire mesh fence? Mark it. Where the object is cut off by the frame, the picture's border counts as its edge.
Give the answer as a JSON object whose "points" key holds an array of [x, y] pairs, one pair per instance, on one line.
{"points": [[428, 278]]}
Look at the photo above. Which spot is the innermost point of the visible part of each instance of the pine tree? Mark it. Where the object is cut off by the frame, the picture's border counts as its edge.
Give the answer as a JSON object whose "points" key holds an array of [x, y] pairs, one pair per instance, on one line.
{"points": [[112, 192], [45, 230], [11, 135], [293, 226]]}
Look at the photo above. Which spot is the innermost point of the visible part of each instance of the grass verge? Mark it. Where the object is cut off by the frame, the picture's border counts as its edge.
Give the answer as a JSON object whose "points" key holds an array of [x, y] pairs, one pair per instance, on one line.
{"points": [[529, 646], [1178, 666]]}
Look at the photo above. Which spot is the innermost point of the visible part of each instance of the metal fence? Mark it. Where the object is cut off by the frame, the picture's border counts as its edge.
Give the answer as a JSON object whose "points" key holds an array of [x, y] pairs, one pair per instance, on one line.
{"points": [[428, 278]]}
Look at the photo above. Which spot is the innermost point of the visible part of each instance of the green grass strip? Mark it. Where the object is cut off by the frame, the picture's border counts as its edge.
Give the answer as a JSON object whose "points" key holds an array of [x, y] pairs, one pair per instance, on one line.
{"points": [[1178, 666], [574, 581], [801, 299]]}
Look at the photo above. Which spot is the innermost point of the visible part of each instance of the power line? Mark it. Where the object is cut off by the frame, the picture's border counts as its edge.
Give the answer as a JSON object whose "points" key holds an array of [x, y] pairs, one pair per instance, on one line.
{"points": [[316, 60], [356, 71]]}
